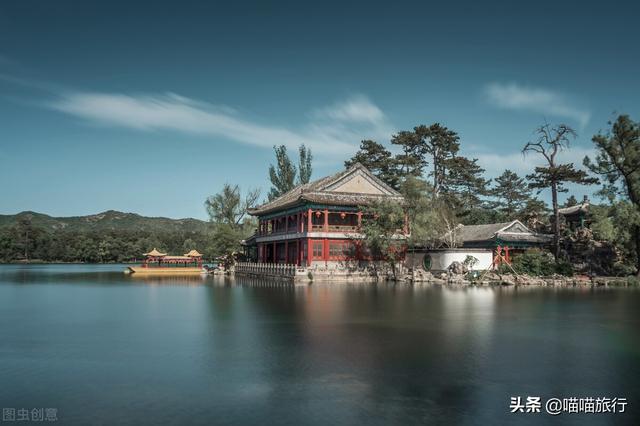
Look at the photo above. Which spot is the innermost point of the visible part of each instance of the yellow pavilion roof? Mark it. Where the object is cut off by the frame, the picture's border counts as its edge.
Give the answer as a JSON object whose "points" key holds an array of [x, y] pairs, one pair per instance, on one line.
{"points": [[193, 253], [155, 252]]}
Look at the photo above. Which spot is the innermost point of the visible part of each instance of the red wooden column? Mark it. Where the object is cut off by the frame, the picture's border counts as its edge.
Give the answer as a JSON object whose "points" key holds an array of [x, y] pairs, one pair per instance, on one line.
{"points": [[275, 253], [359, 220], [309, 228], [326, 220], [325, 251], [309, 251]]}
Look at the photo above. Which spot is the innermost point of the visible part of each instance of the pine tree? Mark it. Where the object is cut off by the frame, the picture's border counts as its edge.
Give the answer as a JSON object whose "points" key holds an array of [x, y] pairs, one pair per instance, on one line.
{"points": [[412, 160], [441, 145], [511, 193], [618, 162], [378, 160], [551, 141]]}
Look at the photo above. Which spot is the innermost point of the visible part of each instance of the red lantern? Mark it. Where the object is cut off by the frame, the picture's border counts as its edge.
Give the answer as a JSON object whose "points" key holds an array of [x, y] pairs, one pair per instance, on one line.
{"points": [[317, 214], [343, 215]]}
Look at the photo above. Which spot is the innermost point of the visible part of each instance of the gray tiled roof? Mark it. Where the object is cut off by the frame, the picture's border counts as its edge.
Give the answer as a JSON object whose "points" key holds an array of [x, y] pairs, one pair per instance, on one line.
{"points": [[319, 191], [506, 231]]}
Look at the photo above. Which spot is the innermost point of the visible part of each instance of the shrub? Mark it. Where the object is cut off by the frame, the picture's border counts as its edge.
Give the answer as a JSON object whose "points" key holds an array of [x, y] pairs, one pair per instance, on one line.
{"points": [[538, 262]]}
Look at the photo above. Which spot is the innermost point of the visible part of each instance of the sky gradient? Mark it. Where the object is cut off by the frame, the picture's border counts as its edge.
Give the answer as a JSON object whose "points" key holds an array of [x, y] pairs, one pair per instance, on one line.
{"points": [[149, 108]]}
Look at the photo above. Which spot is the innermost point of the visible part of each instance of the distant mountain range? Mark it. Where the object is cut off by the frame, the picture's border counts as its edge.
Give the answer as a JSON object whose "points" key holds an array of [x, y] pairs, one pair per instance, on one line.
{"points": [[105, 221]]}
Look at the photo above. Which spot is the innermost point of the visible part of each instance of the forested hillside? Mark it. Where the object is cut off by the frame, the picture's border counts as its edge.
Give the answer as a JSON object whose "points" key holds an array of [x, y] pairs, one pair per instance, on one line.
{"points": [[110, 236]]}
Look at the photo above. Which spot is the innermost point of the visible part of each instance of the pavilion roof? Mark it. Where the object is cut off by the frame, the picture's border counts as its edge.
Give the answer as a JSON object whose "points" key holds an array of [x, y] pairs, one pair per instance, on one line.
{"points": [[326, 191], [514, 231], [193, 253], [578, 208], [155, 253]]}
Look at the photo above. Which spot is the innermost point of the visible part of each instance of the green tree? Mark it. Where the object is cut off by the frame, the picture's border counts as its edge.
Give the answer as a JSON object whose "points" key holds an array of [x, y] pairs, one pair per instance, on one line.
{"points": [[464, 184], [378, 160], [549, 143], [432, 221], [511, 193], [228, 215], [282, 174], [571, 201], [304, 164], [382, 225], [228, 206], [412, 160], [618, 163], [441, 145]]}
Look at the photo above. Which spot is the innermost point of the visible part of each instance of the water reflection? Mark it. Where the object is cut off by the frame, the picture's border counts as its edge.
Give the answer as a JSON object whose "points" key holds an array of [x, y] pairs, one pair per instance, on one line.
{"points": [[105, 347]]}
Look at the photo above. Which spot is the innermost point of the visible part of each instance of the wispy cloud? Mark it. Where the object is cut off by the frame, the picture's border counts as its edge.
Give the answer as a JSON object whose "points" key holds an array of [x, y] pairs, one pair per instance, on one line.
{"points": [[543, 101], [330, 131]]}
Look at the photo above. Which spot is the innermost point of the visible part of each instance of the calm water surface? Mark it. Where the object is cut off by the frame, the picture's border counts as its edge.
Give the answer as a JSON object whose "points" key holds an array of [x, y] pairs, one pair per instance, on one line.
{"points": [[106, 348]]}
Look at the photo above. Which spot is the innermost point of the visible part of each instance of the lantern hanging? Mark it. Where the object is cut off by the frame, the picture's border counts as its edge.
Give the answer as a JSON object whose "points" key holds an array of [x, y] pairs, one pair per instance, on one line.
{"points": [[317, 214], [343, 215]]}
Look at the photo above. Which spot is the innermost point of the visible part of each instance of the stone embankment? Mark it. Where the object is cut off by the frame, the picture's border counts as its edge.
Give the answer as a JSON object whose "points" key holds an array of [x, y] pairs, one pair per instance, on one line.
{"points": [[478, 278]]}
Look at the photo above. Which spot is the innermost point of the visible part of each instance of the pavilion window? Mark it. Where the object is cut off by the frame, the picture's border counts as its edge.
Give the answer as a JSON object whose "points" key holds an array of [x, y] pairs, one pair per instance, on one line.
{"points": [[317, 249]]}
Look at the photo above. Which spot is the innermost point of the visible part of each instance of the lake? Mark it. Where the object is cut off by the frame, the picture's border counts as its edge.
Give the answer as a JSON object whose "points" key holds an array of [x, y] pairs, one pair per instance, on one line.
{"points": [[103, 347]]}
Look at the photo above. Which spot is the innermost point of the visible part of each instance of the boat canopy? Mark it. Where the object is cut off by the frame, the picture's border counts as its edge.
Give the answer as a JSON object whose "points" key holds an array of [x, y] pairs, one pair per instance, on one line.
{"points": [[193, 253], [155, 253]]}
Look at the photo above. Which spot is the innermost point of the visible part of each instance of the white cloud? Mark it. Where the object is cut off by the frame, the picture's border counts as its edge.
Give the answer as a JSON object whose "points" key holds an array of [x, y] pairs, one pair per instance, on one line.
{"points": [[516, 97], [357, 108], [332, 131]]}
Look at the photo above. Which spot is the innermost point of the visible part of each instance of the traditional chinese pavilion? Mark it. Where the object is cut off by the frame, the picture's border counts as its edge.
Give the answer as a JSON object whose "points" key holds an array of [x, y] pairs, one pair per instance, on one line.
{"points": [[318, 223], [507, 238]]}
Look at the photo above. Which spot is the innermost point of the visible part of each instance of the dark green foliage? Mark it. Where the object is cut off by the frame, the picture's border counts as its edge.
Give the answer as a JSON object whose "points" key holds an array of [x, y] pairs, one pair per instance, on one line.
{"points": [[511, 193], [378, 160], [537, 263], [99, 244], [571, 201], [283, 174], [382, 223], [440, 145], [230, 224], [618, 163], [464, 185], [549, 143], [304, 165], [412, 160], [228, 206]]}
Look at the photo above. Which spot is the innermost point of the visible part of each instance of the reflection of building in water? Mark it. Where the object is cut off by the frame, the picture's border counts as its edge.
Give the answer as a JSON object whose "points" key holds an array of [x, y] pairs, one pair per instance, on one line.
{"points": [[170, 280], [318, 223]]}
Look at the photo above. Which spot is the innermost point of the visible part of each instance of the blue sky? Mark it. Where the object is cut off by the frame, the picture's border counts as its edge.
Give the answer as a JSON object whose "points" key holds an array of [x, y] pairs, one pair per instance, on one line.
{"points": [[151, 107]]}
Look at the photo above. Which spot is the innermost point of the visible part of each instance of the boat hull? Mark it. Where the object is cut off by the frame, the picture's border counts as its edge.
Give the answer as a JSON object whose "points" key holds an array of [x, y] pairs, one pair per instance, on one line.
{"points": [[139, 270]]}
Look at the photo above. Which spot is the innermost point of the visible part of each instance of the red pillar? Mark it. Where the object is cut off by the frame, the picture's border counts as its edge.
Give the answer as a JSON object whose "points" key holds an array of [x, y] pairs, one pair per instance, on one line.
{"points": [[309, 213], [359, 219], [326, 220], [309, 251], [275, 254], [325, 251]]}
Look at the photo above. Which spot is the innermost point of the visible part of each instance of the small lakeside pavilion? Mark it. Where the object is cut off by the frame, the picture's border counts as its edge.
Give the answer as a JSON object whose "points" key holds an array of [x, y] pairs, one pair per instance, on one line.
{"points": [[318, 223]]}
